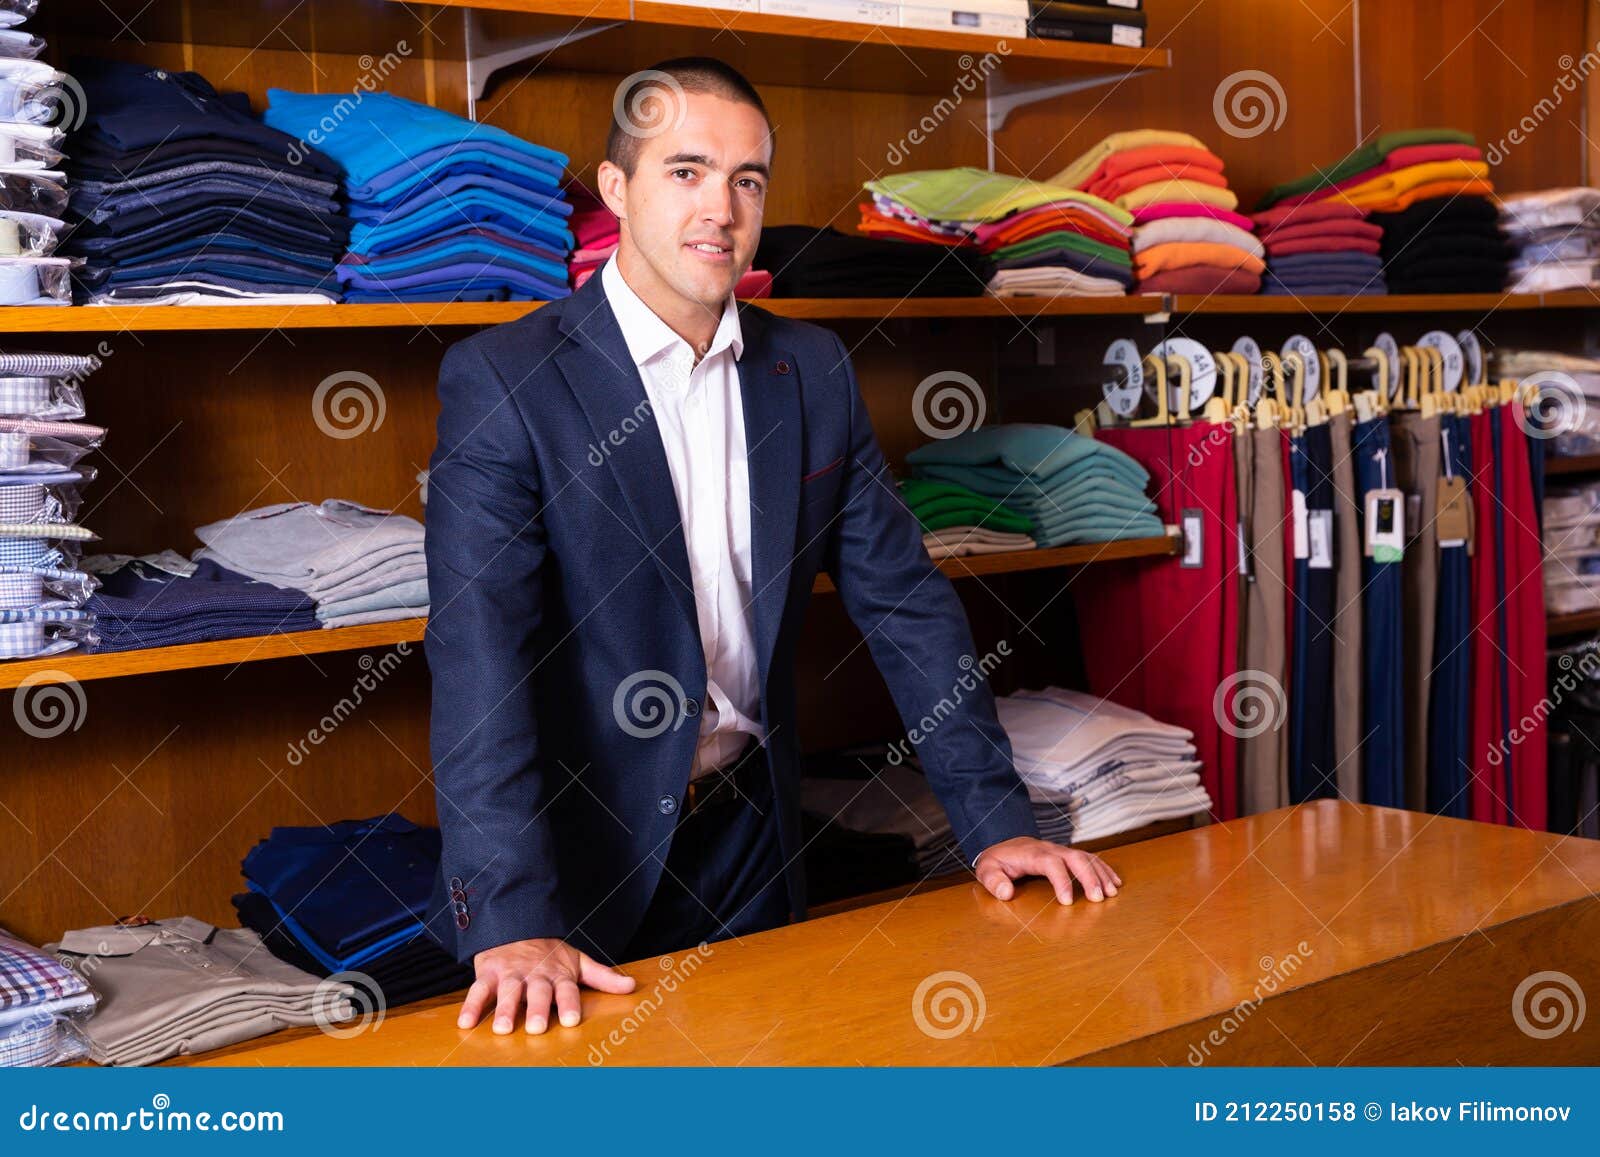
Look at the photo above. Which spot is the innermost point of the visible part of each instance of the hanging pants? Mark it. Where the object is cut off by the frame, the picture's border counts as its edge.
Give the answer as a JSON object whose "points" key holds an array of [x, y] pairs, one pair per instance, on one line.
{"points": [[1159, 636], [1523, 609], [1382, 645], [1347, 630], [1449, 690], [1264, 752], [1311, 761], [1417, 463]]}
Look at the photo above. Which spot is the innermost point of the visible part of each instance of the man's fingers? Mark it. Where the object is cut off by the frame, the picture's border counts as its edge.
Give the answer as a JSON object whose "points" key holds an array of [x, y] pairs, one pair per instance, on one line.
{"points": [[1107, 876], [598, 976], [540, 993], [507, 997], [1082, 866], [568, 1005], [472, 1005], [993, 876], [1054, 869]]}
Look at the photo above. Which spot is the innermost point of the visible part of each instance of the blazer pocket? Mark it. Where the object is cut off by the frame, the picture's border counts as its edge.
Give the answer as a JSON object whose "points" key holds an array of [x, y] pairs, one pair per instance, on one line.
{"points": [[831, 466]]}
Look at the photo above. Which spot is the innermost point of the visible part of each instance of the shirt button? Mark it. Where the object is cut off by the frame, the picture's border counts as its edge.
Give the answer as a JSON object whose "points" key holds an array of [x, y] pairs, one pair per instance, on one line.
{"points": [[667, 804], [691, 707]]}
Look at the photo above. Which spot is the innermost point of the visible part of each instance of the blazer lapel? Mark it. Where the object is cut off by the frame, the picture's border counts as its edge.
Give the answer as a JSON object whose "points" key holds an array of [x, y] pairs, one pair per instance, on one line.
{"points": [[601, 373], [769, 381]]}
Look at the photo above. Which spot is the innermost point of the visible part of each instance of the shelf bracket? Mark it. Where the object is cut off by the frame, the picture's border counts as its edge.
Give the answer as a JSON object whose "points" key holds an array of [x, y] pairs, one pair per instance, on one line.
{"points": [[1001, 100], [486, 56]]}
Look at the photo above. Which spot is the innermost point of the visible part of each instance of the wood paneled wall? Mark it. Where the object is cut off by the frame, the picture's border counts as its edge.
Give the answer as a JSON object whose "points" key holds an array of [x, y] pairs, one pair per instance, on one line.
{"points": [[151, 801]]}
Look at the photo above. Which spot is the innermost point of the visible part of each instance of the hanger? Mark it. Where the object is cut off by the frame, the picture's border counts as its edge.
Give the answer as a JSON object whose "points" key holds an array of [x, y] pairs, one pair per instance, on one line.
{"points": [[1157, 371], [1296, 365], [1435, 400], [1337, 399], [1269, 410], [1185, 374], [1370, 403]]}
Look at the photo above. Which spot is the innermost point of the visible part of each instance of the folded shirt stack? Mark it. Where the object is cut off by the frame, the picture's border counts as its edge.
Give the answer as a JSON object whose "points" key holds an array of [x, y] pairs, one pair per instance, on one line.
{"points": [[1094, 768], [34, 100], [445, 209], [361, 565], [165, 600], [1572, 549], [352, 897], [41, 1003], [958, 521], [1320, 247], [1556, 237], [1187, 237], [809, 262], [1450, 244], [1429, 191], [598, 232], [1040, 240], [179, 987], [1071, 488], [894, 800], [1557, 374], [42, 585], [181, 196]]}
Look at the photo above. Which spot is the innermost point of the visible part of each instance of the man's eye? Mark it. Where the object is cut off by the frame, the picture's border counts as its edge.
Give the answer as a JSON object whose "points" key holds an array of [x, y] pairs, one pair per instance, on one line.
{"points": [[683, 173]]}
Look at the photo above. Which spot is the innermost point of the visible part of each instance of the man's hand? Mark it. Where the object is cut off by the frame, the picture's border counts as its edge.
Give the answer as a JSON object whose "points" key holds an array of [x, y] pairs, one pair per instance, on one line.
{"points": [[1013, 859], [542, 971]]}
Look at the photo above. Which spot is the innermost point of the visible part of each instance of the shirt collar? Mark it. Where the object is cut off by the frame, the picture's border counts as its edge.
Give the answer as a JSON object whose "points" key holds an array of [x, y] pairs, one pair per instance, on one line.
{"points": [[644, 331]]}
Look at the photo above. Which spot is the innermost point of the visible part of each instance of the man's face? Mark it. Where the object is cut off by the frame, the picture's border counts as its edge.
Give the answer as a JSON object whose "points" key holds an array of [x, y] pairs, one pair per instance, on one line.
{"points": [[692, 209]]}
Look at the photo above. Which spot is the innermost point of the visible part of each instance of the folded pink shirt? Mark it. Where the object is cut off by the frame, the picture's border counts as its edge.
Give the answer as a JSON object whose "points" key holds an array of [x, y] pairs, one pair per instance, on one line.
{"points": [[1334, 227], [1164, 209], [1301, 212], [1321, 244]]}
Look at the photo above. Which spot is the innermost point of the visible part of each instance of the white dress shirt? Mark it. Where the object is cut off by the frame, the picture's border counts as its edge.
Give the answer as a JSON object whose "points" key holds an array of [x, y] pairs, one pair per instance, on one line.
{"points": [[699, 412]]}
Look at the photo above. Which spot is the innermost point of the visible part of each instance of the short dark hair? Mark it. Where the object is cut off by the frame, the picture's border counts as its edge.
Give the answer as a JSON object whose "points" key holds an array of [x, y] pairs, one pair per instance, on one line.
{"points": [[699, 74]]}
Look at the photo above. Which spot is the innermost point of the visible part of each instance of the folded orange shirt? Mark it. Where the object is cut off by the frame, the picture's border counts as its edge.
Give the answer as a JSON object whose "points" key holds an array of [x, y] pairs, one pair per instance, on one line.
{"points": [[1178, 254], [1143, 157], [1034, 224], [1477, 187], [1113, 187], [876, 224]]}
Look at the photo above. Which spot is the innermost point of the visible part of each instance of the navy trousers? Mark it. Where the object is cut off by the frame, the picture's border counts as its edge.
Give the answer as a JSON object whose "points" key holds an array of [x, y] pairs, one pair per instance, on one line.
{"points": [[1311, 759], [1449, 691], [1383, 753]]}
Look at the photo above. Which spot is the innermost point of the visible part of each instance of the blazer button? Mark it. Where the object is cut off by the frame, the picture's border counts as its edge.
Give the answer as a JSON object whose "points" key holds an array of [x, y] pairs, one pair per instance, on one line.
{"points": [[667, 804], [782, 367], [691, 707]]}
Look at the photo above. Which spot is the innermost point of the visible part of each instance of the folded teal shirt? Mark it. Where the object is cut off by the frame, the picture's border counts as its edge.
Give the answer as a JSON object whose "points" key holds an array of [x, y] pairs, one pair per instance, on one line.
{"points": [[1025, 448]]}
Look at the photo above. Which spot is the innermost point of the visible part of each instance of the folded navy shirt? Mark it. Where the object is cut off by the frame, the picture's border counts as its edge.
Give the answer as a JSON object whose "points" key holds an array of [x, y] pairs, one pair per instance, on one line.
{"points": [[140, 605]]}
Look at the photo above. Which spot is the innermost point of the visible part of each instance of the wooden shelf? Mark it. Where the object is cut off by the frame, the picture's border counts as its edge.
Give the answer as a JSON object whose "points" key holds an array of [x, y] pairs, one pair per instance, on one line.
{"points": [[1380, 303], [222, 653], [973, 566], [1576, 623], [256, 648], [1582, 464], [787, 50]]}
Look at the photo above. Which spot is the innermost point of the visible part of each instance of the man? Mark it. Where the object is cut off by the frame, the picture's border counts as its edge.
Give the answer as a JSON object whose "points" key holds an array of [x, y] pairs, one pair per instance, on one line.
{"points": [[632, 493]]}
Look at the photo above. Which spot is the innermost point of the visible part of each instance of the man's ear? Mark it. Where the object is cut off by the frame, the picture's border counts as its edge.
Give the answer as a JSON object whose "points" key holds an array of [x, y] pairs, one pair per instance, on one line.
{"points": [[613, 188]]}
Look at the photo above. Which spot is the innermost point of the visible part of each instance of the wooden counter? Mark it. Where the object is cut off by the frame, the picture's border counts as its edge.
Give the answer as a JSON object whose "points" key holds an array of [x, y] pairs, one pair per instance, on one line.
{"points": [[1325, 934]]}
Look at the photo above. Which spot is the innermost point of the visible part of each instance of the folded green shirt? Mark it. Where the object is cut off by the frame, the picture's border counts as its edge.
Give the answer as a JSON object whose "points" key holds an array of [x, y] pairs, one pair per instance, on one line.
{"points": [[974, 195], [941, 504], [1364, 158], [1063, 239]]}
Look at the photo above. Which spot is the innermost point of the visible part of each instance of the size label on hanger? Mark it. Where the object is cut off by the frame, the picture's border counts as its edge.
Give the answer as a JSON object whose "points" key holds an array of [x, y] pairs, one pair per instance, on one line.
{"points": [[1194, 540], [1450, 350], [1453, 515], [1320, 525], [1123, 383], [1202, 372], [1472, 351], [1307, 349], [1390, 348], [1386, 525], [1251, 352]]}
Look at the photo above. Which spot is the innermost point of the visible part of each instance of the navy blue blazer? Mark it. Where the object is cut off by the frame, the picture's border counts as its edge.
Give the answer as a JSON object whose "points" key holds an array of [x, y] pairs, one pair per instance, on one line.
{"points": [[562, 638]]}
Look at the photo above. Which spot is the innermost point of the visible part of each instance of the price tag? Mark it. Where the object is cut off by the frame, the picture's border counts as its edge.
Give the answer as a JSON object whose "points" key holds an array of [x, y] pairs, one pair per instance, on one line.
{"points": [[1453, 520], [1123, 382], [1450, 350], [1386, 525], [1244, 555], [1302, 534], [1321, 527], [1307, 349], [1194, 543]]}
